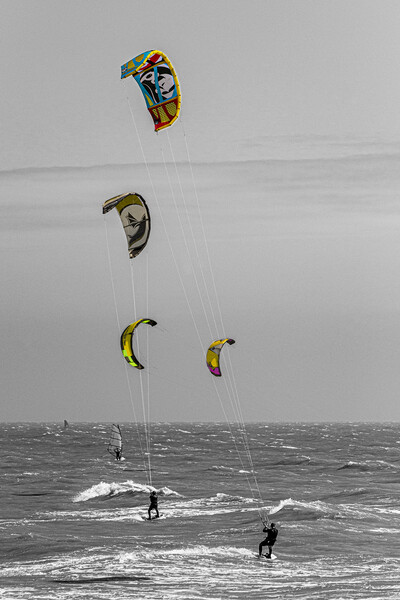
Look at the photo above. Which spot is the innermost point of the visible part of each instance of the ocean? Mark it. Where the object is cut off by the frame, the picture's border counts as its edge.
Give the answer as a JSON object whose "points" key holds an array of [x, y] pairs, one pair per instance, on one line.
{"points": [[73, 519]]}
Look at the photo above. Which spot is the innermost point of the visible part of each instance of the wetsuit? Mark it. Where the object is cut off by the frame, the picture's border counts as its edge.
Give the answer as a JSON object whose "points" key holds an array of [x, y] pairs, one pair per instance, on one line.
{"points": [[153, 505], [272, 534]]}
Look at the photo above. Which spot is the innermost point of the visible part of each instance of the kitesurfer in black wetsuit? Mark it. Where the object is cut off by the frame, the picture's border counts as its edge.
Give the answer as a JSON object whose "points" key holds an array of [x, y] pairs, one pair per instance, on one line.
{"points": [[153, 504], [272, 534]]}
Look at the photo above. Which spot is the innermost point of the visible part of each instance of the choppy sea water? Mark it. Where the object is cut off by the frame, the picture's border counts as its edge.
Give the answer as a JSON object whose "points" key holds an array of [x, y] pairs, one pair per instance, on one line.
{"points": [[72, 518]]}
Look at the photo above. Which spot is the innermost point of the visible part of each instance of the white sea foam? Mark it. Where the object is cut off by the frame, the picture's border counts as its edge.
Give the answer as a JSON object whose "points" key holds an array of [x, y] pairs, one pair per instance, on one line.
{"points": [[107, 490], [281, 505], [206, 544]]}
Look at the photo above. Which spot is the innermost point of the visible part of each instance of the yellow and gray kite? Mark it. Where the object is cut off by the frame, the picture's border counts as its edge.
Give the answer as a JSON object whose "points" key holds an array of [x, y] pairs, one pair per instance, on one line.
{"points": [[135, 218]]}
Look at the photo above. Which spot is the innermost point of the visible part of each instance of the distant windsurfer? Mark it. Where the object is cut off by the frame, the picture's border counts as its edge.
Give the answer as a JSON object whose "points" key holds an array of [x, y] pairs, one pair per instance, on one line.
{"points": [[272, 534], [153, 504], [115, 444]]}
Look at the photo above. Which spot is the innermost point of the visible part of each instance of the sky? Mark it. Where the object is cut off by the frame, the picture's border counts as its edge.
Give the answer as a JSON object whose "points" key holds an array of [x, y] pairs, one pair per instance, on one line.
{"points": [[290, 116], [257, 70]]}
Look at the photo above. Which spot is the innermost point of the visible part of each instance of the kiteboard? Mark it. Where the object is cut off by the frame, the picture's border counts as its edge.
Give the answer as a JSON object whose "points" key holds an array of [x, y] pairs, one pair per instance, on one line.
{"points": [[161, 516], [273, 557]]}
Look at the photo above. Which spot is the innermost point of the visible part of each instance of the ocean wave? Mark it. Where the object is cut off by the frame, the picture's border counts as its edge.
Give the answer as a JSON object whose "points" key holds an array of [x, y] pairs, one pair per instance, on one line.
{"points": [[207, 551], [281, 505], [296, 510], [174, 507], [344, 494], [222, 468], [221, 497], [31, 493], [287, 511], [293, 460], [195, 551], [354, 465], [368, 465], [89, 580], [105, 490]]}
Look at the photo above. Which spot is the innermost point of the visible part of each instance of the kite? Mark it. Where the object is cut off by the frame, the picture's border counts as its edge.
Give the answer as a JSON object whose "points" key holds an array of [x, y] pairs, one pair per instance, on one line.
{"points": [[159, 84], [126, 342], [135, 219], [213, 353]]}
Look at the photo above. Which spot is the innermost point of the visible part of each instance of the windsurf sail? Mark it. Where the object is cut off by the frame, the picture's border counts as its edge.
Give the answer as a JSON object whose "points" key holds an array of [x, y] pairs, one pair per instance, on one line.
{"points": [[115, 444], [66, 424]]}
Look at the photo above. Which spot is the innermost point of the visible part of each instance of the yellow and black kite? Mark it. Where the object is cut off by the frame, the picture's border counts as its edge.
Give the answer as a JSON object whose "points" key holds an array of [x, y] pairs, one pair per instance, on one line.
{"points": [[126, 342]]}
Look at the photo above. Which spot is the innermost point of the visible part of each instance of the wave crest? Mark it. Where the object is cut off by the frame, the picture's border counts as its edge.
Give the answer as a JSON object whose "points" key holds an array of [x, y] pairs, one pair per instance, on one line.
{"points": [[105, 490]]}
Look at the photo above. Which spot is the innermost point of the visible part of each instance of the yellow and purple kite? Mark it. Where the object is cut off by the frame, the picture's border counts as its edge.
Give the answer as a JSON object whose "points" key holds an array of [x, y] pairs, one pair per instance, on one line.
{"points": [[213, 353], [159, 84]]}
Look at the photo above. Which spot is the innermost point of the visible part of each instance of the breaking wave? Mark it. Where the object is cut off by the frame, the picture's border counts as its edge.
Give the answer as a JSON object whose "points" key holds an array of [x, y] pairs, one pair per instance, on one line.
{"points": [[368, 465], [104, 491]]}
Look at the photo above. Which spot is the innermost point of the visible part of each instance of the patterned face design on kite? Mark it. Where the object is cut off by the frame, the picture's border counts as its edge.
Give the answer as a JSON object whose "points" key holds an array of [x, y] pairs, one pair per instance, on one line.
{"points": [[165, 82], [148, 82]]}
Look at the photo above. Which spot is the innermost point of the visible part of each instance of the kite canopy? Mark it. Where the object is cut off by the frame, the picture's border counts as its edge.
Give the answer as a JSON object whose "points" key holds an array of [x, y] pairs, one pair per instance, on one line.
{"points": [[213, 353], [159, 84], [126, 342], [135, 218]]}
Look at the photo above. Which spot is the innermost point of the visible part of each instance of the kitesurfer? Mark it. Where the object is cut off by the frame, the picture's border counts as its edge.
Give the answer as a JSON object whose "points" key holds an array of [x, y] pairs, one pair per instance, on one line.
{"points": [[272, 534], [153, 504]]}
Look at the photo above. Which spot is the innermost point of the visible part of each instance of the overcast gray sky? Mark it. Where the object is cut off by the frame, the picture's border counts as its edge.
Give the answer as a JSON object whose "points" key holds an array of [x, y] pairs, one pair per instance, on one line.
{"points": [[248, 70], [305, 241]]}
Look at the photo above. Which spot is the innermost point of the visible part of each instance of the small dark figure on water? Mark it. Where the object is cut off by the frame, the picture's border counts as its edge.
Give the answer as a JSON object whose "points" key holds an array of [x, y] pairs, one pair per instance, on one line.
{"points": [[153, 504], [272, 534], [118, 454]]}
